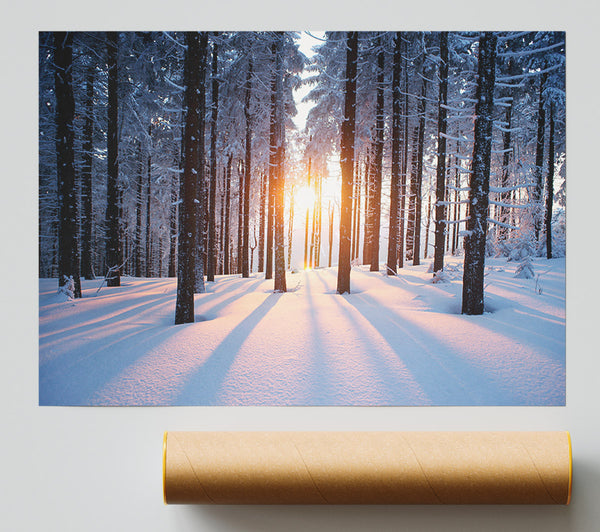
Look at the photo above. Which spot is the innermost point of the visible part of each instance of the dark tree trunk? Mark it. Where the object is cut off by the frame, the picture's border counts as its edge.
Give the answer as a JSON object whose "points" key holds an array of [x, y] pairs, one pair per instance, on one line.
{"points": [[392, 254], [474, 265], [240, 224], [419, 177], [87, 270], [226, 237], [113, 241], [550, 186], [347, 164], [357, 211], [412, 195], [248, 171], [68, 263], [149, 206], [279, 207], [369, 169], [379, 125], [138, 213], [440, 188], [201, 203], [401, 239], [188, 211], [539, 161], [212, 198], [261, 223], [272, 169], [174, 210]]}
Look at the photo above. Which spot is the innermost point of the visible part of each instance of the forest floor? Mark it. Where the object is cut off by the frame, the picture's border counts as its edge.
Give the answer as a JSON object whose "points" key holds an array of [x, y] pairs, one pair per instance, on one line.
{"points": [[393, 341]]}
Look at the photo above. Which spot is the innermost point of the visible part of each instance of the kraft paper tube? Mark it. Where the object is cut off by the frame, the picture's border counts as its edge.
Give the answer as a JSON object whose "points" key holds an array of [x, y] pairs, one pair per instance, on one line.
{"points": [[367, 467]]}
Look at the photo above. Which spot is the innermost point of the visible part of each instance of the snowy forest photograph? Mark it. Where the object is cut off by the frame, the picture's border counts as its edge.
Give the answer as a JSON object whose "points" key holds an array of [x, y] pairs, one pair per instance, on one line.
{"points": [[302, 218]]}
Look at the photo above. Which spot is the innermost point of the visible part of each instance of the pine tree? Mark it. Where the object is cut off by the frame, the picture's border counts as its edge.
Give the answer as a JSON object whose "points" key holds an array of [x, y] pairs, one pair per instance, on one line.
{"points": [[212, 247], [68, 263], [188, 211], [87, 269], [347, 163], [474, 264], [395, 192], [440, 190], [113, 196]]}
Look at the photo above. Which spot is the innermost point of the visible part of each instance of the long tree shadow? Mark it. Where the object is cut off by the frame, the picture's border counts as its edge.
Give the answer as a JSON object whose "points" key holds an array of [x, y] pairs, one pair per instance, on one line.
{"points": [[321, 390], [203, 386], [212, 311], [444, 376]]}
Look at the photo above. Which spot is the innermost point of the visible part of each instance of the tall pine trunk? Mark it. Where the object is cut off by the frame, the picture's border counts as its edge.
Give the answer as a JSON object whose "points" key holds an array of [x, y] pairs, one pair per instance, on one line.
{"points": [[212, 194], [550, 186], [418, 190], [401, 236], [68, 263], [226, 229], [347, 163], [138, 211], [272, 168], [261, 223], [188, 211], [440, 188], [149, 205], [201, 203], [392, 254], [279, 206], [87, 270], [113, 241], [474, 264], [379, 125], [248, 170], [539, 161]]}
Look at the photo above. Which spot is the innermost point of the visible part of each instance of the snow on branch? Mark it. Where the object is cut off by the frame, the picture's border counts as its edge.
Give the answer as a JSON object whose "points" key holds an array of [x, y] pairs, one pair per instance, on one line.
{"points": [[507, 205], [501, 224], [510, 189], [530, 52]]}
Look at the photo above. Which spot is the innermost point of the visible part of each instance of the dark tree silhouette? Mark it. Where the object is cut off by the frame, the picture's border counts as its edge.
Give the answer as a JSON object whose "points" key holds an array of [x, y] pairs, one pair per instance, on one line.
{"points": [[347, 163], [474, 265]]}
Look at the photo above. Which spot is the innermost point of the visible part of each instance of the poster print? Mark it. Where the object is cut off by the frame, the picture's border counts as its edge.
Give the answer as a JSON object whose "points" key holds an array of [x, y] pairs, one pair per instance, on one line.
{"points": [[302, 218]]}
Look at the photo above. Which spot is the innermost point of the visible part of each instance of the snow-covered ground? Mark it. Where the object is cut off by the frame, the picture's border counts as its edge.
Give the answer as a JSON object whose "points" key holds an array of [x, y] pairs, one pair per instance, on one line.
{"points": [[393, 341]]}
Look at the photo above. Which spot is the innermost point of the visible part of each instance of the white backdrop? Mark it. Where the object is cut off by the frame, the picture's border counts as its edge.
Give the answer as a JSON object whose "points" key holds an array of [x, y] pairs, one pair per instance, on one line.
{"points": [[99, 469]]}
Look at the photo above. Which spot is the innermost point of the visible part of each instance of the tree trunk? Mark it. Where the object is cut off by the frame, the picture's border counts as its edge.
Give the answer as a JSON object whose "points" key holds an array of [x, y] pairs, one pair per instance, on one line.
{"points": [[379, 125], [188, 210], [272, 168], [87, 270], [226, 237], [550, 186], [347, 163], [440, 188], [149, 206], [261, 223], [331, 212], [279, 207], [539, 161], [212, 198], [138, 212], [113, 241], [392, 254], [506, 157], [474, 264], [368, 207], [401, 239], [240, 225], [68, 264], [173, 216], [201, 199], [419, 177], [248, 170]]}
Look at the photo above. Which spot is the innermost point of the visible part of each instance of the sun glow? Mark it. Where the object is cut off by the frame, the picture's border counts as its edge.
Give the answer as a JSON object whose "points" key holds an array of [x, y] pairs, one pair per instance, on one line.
{"points": [[304, 198]]}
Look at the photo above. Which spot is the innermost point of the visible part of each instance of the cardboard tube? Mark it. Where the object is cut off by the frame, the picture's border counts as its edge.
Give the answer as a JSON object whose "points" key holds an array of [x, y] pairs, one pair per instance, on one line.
{"points": [[367, 467]]}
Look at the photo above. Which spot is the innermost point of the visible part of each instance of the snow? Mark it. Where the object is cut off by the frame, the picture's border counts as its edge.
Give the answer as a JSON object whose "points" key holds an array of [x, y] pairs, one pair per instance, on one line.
{"points": [[393, 341]]}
